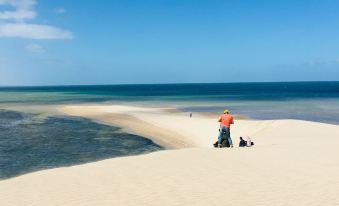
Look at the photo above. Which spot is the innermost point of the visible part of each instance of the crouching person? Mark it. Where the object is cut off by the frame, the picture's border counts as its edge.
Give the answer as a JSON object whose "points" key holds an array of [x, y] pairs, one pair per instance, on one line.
{"points": [[242, 142]]}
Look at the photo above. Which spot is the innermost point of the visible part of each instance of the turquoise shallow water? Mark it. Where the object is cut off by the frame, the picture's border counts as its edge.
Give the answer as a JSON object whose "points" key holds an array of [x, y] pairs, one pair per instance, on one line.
{"points": [[315, 101]]}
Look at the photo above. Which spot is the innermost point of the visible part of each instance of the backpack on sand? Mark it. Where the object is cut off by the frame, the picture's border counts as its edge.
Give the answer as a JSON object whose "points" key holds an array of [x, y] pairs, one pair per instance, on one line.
{"points": [[224, 142]]}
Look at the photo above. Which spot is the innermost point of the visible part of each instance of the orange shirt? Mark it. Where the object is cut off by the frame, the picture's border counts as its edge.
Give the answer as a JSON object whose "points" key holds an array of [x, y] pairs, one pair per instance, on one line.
{"points": [[226, 120]]}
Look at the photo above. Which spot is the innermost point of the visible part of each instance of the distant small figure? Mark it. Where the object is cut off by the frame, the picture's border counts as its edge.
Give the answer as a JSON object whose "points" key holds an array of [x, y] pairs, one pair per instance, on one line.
{"points": [[190, 115], [242, 142]]}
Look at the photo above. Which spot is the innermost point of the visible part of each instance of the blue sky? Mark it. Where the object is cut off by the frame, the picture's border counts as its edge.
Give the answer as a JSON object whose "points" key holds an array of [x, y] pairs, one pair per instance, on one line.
{"points": [[157, 41]]}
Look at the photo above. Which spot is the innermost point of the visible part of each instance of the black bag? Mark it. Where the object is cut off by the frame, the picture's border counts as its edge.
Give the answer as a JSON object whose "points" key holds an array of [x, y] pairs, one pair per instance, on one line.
{"points": [[224, 143]]}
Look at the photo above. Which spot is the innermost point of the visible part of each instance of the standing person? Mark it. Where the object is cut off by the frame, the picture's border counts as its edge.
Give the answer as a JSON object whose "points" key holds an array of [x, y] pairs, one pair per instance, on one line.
{"points": [[225, 125], [190, 115]]}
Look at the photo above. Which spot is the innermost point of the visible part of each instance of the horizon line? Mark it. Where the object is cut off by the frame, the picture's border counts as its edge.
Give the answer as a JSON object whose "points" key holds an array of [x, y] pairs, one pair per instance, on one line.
{"points": [[170, 83]]}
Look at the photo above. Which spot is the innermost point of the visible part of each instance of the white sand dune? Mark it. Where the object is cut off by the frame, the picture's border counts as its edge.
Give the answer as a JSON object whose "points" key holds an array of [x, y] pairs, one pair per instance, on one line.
{"points": [[292, 163]]}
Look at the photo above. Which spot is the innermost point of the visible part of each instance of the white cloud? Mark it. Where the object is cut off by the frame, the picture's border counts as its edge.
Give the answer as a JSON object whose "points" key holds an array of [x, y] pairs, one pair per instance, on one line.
{"points": [[17, 15], [35, 48], [60, 10], [33, 31], [23, 9], [14, 23]]}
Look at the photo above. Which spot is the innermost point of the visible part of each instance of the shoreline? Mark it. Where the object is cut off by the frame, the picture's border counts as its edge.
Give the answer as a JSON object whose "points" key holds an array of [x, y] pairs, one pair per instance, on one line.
{"points": [[288, 156], [173, 129], [129, 123]]}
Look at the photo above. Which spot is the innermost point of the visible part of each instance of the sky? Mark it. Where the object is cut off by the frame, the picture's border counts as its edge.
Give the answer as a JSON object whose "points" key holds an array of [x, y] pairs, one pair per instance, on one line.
{"points": [[45, 42]]}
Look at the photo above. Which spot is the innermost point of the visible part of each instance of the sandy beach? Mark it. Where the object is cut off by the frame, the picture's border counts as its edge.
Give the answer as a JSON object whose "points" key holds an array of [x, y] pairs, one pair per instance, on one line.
{"points": [[120, 103], [293, 162]]}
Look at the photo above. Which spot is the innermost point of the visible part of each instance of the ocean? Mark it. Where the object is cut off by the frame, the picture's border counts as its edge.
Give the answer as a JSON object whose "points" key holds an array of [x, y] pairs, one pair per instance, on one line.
{"points": [[35, 140], [313, 101]]}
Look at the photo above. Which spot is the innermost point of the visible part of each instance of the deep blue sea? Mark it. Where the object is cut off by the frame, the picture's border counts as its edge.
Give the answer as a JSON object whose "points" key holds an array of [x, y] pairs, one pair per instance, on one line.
{"points": [[31, 141], [270, 91]]}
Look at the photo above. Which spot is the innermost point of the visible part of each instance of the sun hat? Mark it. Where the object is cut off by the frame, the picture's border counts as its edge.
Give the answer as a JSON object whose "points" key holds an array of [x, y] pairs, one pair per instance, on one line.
{"points": [[226, 111]]}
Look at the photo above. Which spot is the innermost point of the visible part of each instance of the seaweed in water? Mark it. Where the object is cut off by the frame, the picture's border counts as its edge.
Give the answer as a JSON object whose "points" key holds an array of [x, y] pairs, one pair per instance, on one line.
{"points": [[28, 145]]}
